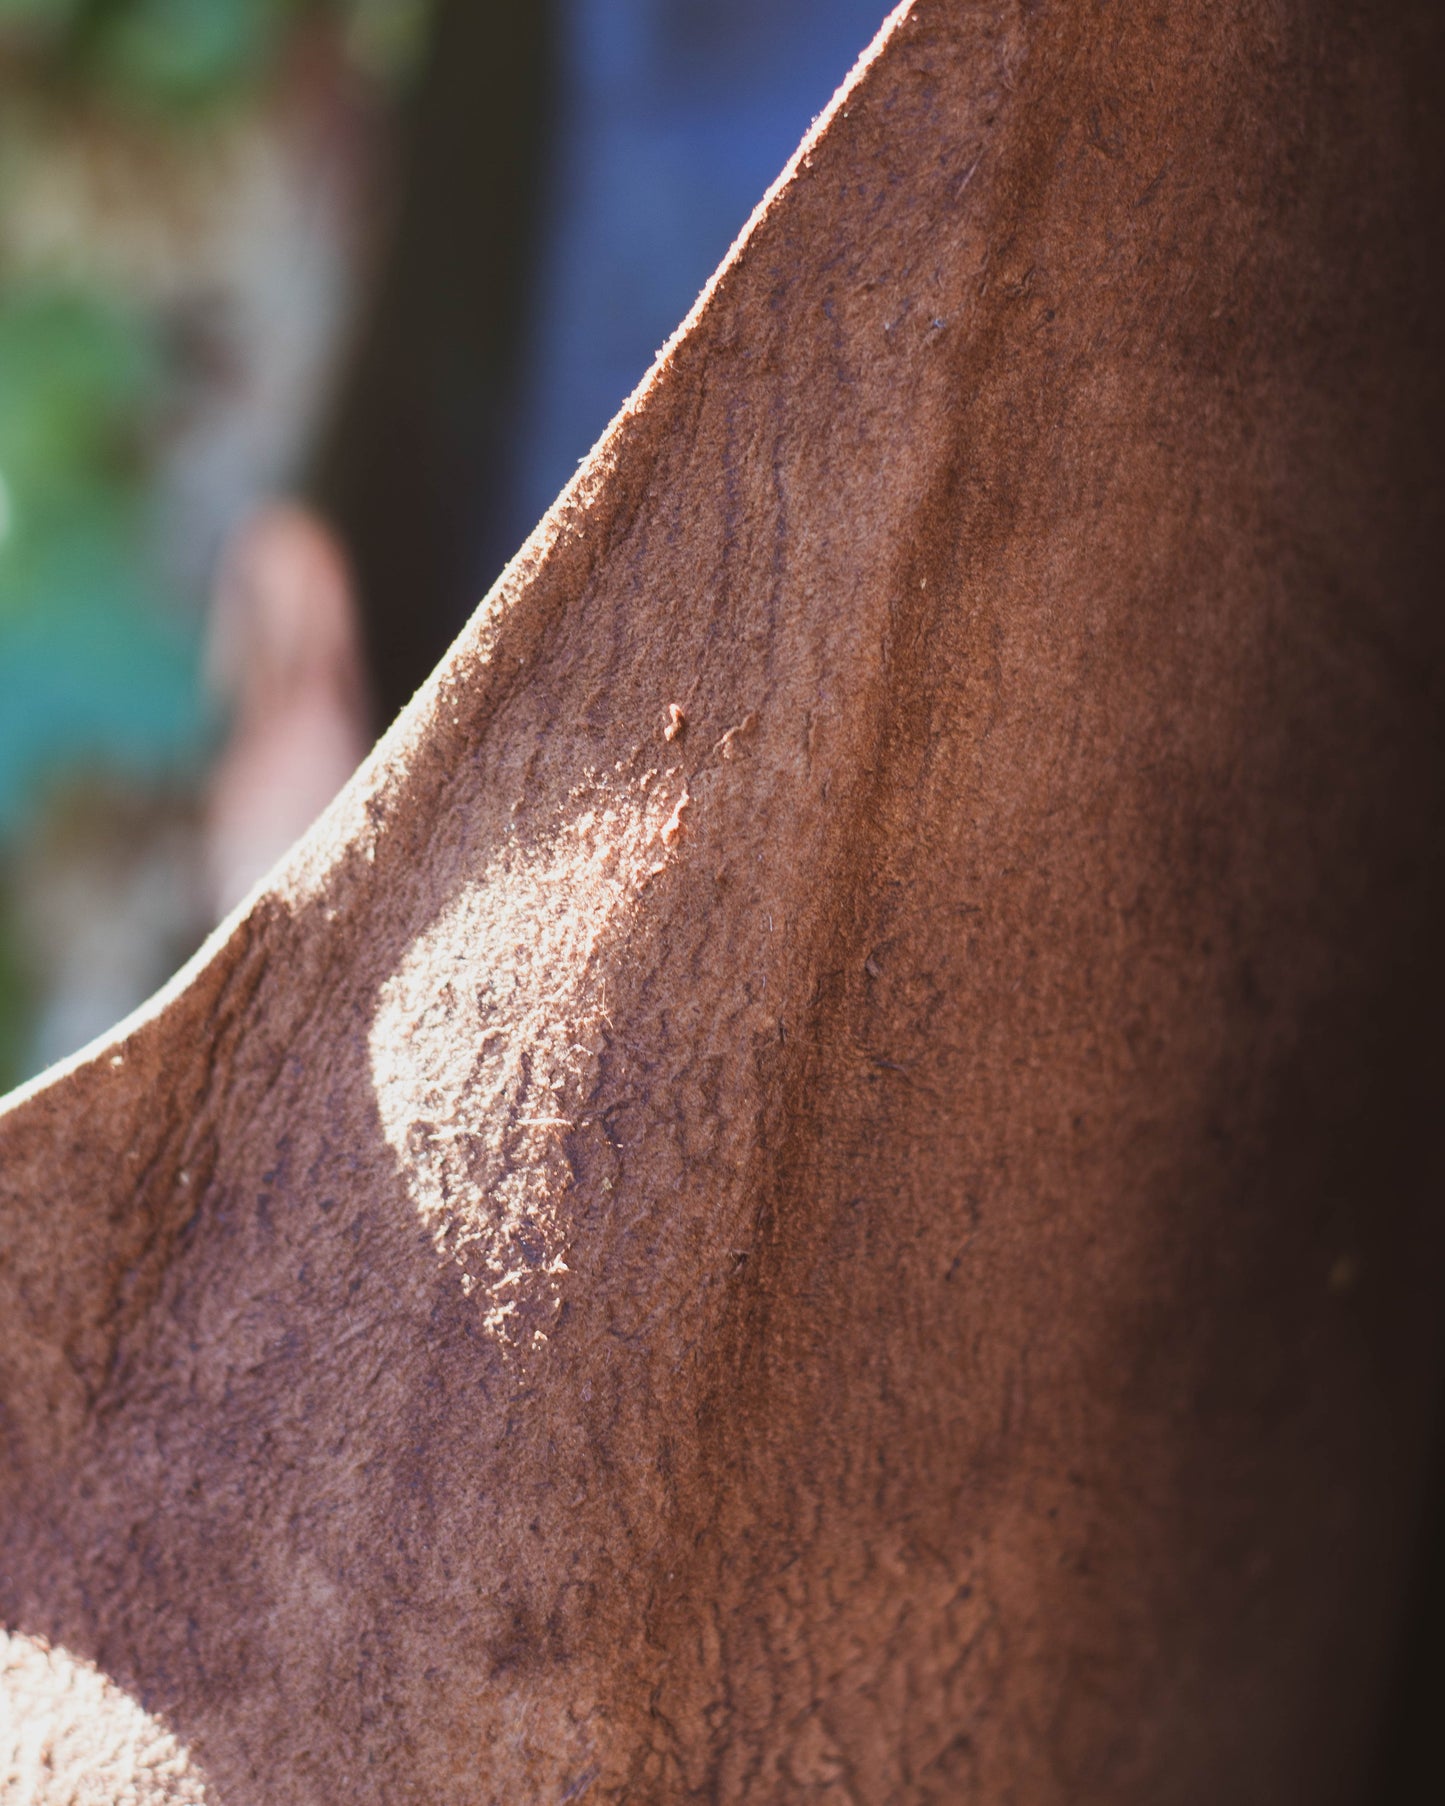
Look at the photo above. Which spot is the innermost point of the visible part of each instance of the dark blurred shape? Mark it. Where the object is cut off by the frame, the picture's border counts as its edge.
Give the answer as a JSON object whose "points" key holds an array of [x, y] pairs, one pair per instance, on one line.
{"points": [[285, 654], [417, 456], [1413, 1750]]}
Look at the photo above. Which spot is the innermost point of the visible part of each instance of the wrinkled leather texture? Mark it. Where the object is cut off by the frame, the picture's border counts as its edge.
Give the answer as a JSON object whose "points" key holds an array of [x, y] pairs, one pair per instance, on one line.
{"points": [[819, 1183]]}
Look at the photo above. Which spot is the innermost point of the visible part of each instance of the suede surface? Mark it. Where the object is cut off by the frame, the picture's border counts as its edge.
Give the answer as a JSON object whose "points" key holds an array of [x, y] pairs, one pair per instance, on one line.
{"points": [[819, 1184]]}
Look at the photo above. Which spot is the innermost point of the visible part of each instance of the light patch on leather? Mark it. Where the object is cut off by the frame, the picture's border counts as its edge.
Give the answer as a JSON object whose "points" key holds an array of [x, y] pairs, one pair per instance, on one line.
{"points": [[485, 1042]]}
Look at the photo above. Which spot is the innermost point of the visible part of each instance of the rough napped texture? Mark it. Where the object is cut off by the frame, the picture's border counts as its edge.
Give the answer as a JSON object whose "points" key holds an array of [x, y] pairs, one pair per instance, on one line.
{"points": [[818, 1185], [71, 1737]]}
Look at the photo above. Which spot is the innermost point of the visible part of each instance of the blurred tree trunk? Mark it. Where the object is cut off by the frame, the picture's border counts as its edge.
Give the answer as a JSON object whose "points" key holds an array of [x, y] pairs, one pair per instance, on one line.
{"points": [[414, 468]]}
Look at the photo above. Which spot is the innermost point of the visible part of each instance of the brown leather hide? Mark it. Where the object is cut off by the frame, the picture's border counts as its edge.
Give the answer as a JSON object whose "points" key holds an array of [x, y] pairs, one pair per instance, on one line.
{"points": [[882, 1247]]}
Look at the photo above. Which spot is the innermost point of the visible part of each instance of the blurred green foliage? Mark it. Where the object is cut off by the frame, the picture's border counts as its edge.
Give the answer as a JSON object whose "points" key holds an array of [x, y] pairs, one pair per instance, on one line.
{"points": [[98, 662], [162, 52], [92, 667], [169, 54], [15, 1000], [179, 50]]}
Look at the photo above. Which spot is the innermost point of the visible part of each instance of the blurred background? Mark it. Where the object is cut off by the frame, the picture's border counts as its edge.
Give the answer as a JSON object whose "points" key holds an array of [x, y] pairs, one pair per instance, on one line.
{"points": [[307, 310]]}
